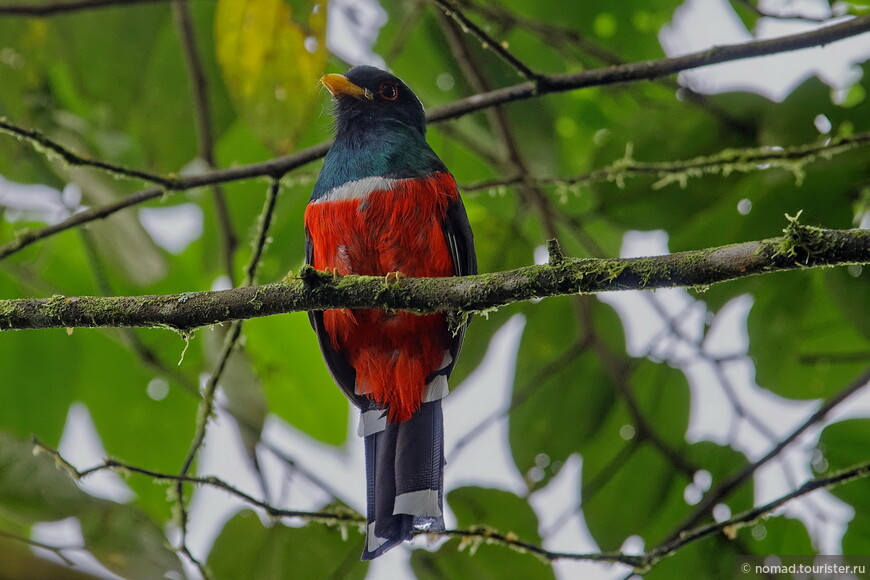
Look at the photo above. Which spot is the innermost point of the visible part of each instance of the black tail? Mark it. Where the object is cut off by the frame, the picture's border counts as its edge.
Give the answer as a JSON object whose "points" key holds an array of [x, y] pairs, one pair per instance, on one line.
{"points": [[405, 476]]}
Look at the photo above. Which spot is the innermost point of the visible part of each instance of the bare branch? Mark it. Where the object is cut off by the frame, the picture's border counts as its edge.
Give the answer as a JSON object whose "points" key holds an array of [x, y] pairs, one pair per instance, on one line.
{"points": [[42, 9], [452, 11], [50, 147], [651, 69], [204, 133], [57, 550]]}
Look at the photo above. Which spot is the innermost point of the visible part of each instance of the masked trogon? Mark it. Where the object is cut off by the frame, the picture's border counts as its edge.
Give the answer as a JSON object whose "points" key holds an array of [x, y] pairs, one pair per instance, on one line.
{"points": [[385, 205]]}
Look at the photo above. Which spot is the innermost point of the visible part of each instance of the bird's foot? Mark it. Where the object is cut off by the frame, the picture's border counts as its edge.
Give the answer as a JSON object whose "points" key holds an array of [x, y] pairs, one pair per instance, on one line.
{"points": [[393, 277]]}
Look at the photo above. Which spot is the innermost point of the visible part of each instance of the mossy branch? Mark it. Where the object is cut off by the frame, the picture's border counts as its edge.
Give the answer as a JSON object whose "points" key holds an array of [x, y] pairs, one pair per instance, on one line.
{"points": [[724, 163], [801, 247]]}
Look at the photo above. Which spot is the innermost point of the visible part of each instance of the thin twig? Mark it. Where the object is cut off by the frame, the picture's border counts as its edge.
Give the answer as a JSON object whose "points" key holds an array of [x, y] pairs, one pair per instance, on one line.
{"points": [[652, 69], [717, 366], [729, 527], [209, 481], [57, 550], [724, 162], [275, 168], [42, 9], [205, 139], [203, 415], [486, 535], [50, 147], [263, 225], [207, 403], [452, 11], [560, 36]]}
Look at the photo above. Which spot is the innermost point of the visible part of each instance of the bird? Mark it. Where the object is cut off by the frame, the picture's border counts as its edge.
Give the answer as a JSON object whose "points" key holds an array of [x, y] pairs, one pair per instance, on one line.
{"points": [[385, 205]]}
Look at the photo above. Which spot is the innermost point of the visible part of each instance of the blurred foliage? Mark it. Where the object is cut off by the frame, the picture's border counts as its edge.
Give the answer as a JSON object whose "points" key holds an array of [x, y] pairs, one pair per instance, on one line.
{"points": [[112, 84]]}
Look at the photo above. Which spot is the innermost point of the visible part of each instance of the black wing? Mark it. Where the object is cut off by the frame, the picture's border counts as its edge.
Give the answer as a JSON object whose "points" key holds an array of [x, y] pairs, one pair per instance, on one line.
{"points": [[460, 242], [342, 372]]}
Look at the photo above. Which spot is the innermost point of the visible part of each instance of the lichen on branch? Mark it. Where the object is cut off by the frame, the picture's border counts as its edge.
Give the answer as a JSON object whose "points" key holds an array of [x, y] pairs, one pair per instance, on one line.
{"points": [[801, 247]]}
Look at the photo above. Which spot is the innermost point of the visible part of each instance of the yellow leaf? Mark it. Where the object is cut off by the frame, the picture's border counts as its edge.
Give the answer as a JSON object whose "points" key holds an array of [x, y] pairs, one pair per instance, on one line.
{"points": [[271, 54]]}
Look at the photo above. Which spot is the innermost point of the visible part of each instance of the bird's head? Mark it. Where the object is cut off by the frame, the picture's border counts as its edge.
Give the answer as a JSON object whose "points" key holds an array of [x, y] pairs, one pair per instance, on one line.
{"points": [[367, 96]]}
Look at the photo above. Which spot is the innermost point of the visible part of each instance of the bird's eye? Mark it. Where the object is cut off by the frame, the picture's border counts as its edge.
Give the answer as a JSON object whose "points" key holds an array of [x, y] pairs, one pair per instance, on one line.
{"points": [[389, 91]]}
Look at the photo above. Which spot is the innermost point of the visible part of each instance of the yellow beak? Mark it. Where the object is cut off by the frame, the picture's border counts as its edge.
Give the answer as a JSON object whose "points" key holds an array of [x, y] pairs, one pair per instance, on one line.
{"points": [[340, 85]]}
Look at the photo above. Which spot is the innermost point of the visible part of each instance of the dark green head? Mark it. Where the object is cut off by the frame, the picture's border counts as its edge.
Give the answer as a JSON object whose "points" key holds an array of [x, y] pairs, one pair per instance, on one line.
{"points": [[367, 96], [380, 130]]}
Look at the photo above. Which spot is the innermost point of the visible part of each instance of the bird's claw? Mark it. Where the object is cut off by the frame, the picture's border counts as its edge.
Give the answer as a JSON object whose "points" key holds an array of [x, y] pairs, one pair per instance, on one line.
{"points": [[393, 277]]}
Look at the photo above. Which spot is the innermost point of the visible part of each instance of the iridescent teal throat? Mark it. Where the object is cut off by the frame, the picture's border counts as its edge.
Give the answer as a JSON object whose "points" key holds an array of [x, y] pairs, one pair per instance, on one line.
{"points": [[389, 149]]}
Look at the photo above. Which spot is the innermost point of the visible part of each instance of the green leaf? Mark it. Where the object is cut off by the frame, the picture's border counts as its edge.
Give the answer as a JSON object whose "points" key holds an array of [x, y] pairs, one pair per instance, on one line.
{"points": [[125, 540], [133, 427], [646, 510], [297, 386], [562, 394], [129, 543], [844, 445], [777, 535], [658, 390], [500, 510], [33, 489], [802, 343], [247, 549], [37, 400], [622, 508], [711, 559], [271, 53], [849, 287]]}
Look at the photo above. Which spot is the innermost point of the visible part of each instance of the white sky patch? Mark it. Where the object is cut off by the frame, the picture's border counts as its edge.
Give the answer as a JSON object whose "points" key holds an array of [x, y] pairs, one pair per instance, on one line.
{"points": [[701, 24], [68, 532], [487, 460], [173, 228], [563, 528], [352, 29], [82, 447], [24, 202]]}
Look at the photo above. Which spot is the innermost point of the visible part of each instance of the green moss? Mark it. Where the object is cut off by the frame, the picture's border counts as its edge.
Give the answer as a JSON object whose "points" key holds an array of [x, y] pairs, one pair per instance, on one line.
{"points": [[256, 302], [54, 307], [800, 242], [7, 311], [646, 268], [609, 270]]}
